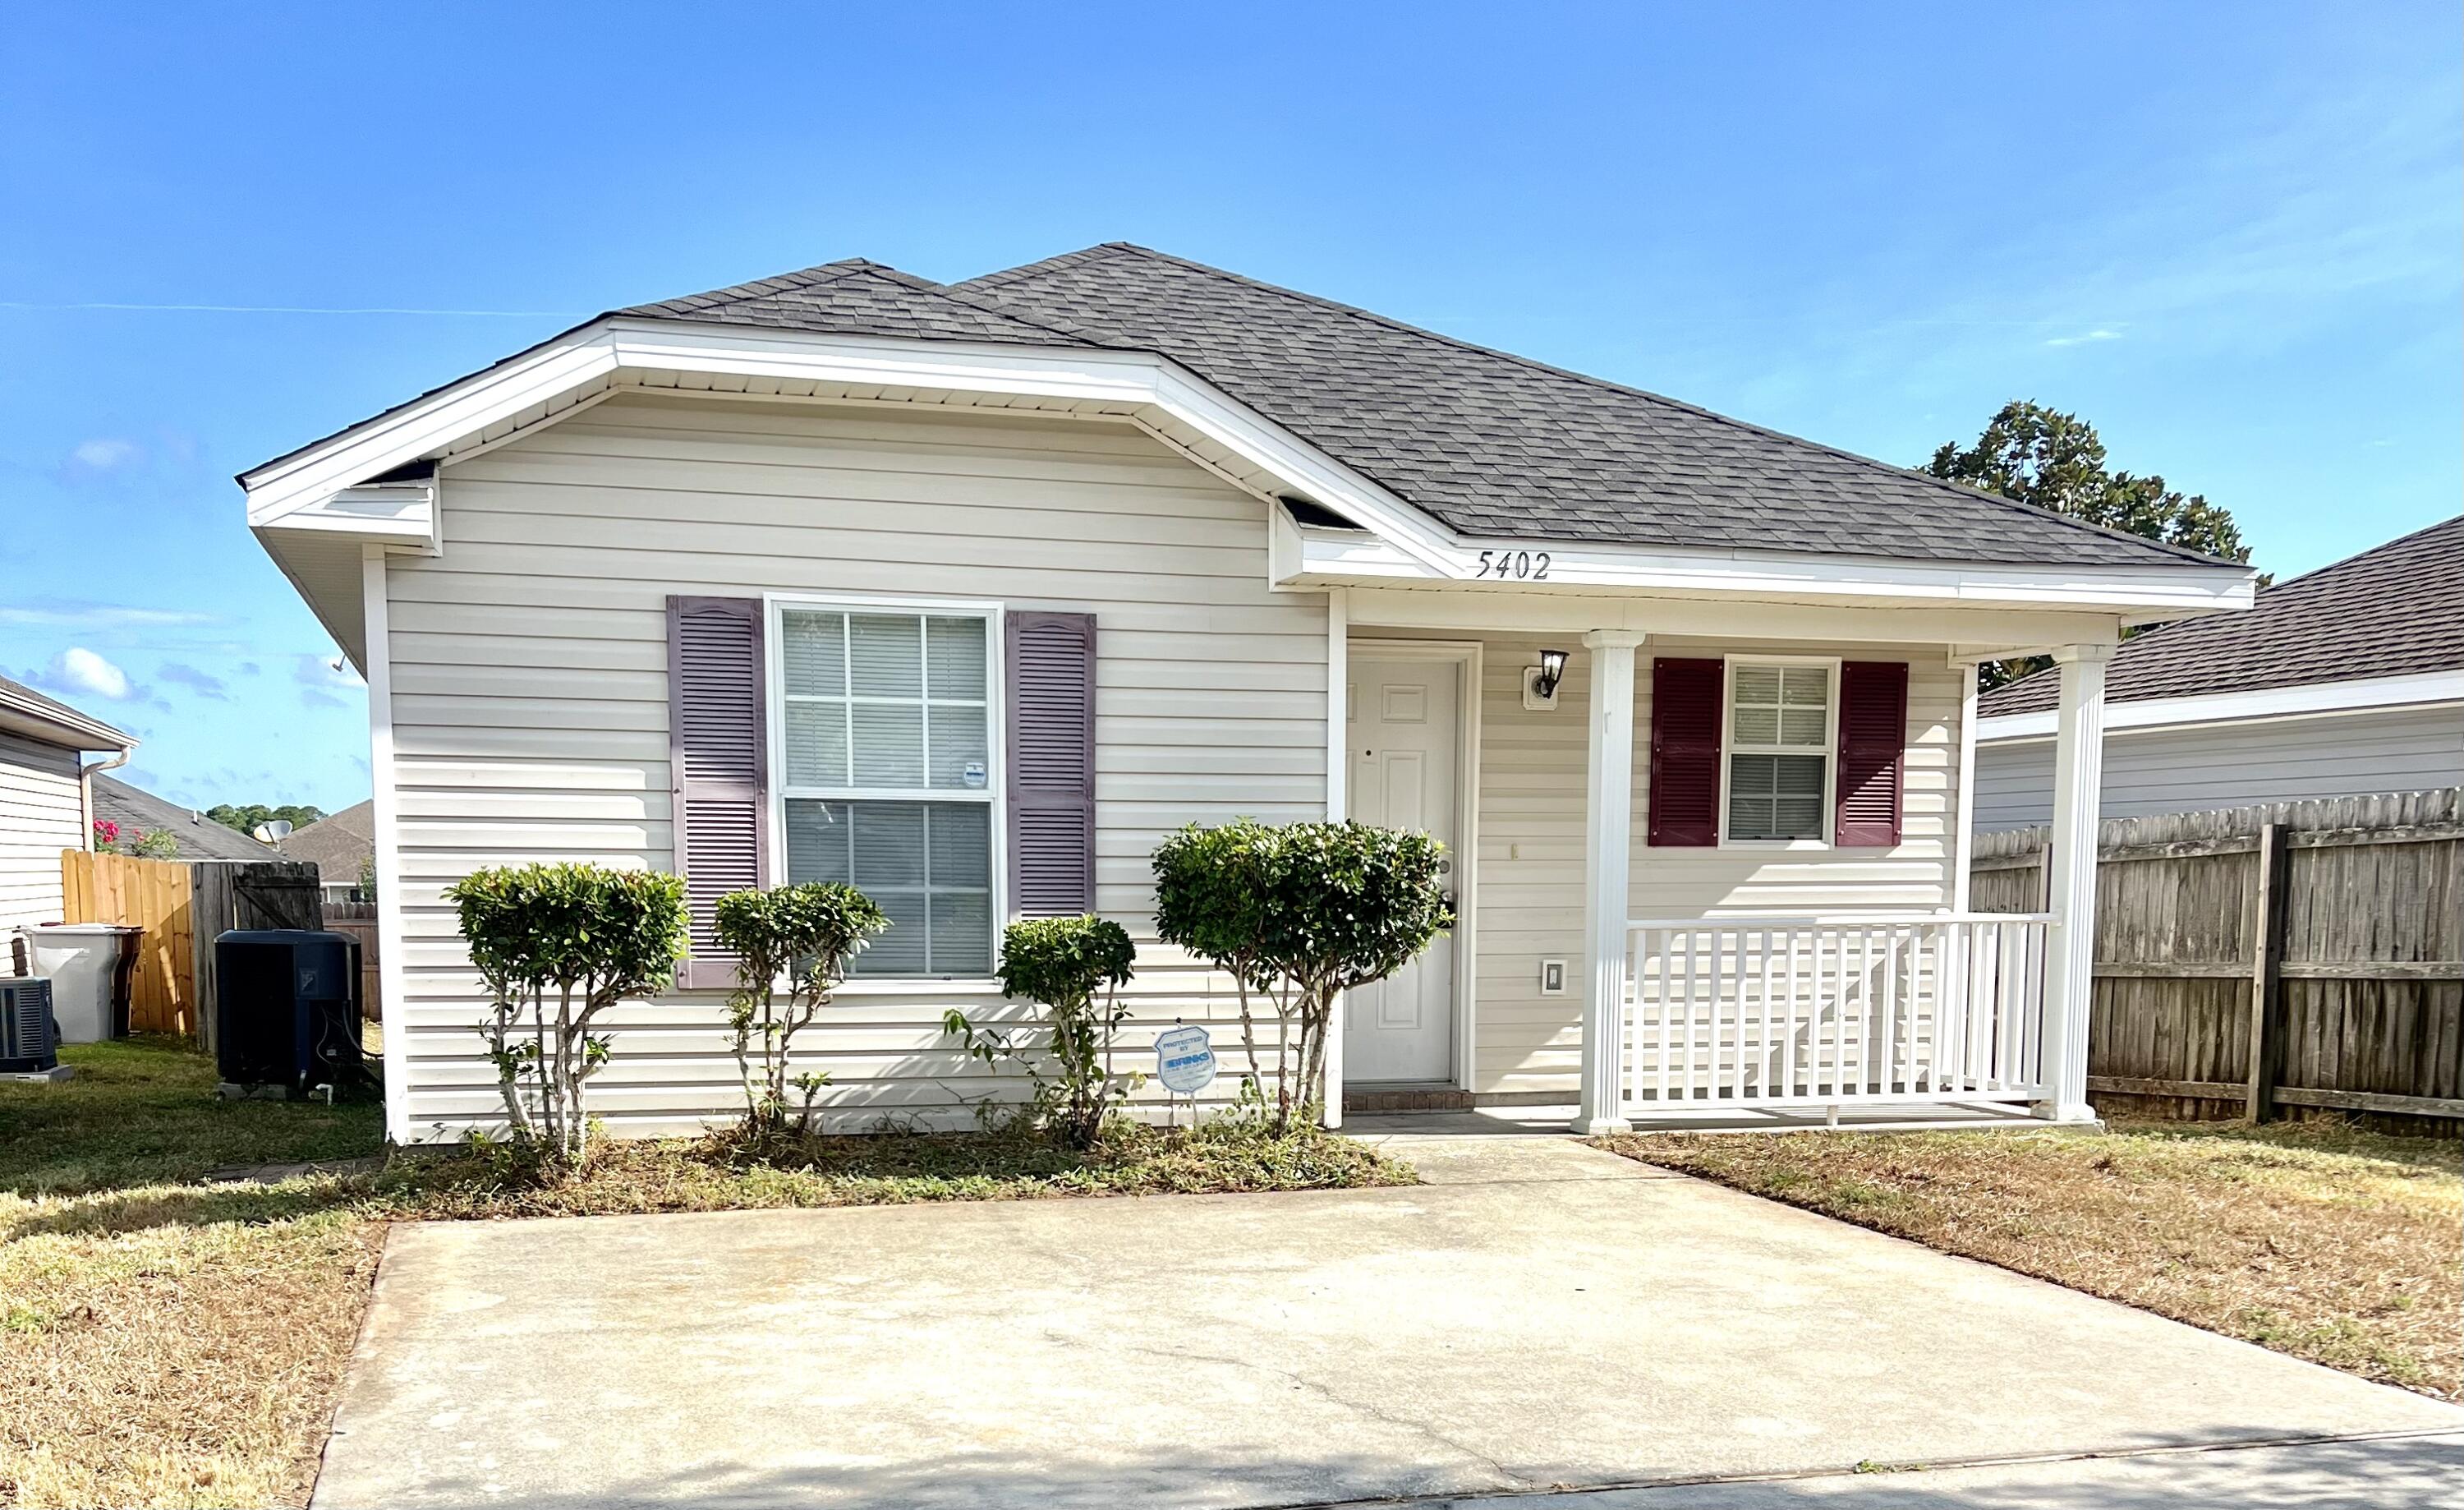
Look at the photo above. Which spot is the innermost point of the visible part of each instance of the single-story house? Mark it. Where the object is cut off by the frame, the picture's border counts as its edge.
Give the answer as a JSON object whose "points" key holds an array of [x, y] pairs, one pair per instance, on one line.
{"points": [[2345, 681], [198, 837], [46, 797], [972, 592], [341, 845]]}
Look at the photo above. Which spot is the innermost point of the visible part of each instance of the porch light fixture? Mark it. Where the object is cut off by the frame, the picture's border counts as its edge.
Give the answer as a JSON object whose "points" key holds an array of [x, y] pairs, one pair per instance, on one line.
{"points": [[1540, 682]]}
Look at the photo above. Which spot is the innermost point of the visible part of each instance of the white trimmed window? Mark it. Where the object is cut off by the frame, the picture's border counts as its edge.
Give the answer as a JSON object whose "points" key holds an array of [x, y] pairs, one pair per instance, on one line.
{"points": [[1780, 741], [888, 779]]}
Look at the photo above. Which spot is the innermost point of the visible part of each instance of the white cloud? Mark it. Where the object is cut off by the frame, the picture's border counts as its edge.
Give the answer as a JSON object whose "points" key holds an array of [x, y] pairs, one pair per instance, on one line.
{"points": [[78, 669], [2100, 333], [106, 453]]}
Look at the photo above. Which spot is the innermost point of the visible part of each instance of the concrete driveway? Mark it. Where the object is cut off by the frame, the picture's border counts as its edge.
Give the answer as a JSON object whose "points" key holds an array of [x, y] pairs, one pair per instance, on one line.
{"points": [[1541, 1317]]}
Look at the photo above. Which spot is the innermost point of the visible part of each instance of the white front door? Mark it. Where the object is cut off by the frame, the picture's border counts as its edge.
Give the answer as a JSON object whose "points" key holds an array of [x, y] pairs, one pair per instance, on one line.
{"points": [[1404, 727]]}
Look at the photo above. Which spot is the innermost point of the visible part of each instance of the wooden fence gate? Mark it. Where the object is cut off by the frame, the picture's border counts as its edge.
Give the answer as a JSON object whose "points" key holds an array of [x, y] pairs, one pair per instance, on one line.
{"points": [[2249, 959], [183, 905]]}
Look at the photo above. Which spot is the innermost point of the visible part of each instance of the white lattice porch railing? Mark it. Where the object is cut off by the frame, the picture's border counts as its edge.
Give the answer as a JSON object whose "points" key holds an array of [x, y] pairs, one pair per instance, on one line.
{"points": [[1797, 1012]]}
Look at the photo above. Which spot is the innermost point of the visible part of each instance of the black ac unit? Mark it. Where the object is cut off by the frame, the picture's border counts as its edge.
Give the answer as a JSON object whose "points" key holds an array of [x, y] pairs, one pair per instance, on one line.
{"points": [[29, 1043], [287, 1009]]}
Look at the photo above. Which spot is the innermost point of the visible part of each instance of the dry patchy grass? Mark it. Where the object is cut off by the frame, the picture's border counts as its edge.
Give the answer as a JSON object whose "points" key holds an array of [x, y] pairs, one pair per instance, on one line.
{"points": [[2342, 1247], [169, 1342]]}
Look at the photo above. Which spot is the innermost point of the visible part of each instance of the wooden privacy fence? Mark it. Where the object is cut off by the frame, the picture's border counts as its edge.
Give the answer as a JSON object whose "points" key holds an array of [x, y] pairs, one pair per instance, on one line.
{"points": [[2249, 959], [183, 906], [152, 895]]}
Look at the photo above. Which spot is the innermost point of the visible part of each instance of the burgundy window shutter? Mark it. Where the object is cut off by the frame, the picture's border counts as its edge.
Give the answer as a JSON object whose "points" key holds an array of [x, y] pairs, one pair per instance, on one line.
{"points": [[1051, 675], [718, 756], [1873, 751], [1686, 751]]}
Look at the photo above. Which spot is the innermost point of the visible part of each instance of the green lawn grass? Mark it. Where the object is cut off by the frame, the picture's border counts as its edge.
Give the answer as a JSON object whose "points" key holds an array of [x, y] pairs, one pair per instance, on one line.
{"points": [[2333, 1244]]}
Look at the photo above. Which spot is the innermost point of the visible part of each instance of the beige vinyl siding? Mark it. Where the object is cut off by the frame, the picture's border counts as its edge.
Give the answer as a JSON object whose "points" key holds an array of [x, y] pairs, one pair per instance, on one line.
{"points": [[530, 702], [42, 812], [1530, 893], [2152, 771]]}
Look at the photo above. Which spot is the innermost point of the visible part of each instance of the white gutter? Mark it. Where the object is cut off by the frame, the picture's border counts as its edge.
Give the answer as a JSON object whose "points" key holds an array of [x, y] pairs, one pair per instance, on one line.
{"points": [[2358, 695]]}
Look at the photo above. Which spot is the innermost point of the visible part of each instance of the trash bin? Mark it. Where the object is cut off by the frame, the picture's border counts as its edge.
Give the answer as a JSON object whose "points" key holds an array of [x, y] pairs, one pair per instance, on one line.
{"points": [[89, 985]]}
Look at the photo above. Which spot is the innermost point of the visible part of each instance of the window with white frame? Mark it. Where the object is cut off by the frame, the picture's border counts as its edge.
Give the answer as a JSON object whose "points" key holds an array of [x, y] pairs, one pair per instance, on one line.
{"points": [[888, 781], [1779, 751]]}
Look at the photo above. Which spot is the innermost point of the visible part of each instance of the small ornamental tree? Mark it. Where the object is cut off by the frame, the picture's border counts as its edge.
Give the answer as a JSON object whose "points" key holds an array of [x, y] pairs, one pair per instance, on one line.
{"points": [[1208, 900], [1064, 965], [558, 945], [1302, 912], [792, 947]]}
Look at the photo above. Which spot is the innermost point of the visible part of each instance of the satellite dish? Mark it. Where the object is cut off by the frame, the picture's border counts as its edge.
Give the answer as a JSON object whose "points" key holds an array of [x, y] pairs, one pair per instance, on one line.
{"points": [[273, 831]]}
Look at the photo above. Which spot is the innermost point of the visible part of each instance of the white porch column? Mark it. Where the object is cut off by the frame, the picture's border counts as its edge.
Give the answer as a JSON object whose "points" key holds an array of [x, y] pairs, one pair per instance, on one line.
{"points": [[2069, 959], [1338, 771], [1608, 835]]}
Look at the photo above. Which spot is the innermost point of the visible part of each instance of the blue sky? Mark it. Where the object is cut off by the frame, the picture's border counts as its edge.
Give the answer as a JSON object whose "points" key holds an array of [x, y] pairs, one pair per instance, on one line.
{"points": [[2228, 234]]}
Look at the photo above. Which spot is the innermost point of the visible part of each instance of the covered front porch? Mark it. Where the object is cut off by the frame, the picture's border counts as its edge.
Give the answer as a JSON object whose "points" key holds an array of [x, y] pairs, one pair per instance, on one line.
{"points": [[1610, 972]]}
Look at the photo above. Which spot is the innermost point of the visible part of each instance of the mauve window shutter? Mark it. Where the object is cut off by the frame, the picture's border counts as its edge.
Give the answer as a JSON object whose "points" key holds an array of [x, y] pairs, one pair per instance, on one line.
{"points": [[1873, 751], [719, 759], [1686, 751], [1051, 673]]}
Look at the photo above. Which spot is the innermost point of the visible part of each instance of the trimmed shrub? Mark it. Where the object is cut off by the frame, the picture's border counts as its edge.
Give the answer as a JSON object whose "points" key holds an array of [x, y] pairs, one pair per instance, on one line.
{"points": [[798, 938], [559, 945], [1064, 965], [1298, 913]]}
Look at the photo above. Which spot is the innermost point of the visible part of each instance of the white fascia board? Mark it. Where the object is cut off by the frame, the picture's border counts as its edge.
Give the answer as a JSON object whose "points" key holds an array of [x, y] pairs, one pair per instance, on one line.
{"points": [[1501, 610], [2150, 714], [379, 445], [1331, 556], [64, 727], [1123, 379]]}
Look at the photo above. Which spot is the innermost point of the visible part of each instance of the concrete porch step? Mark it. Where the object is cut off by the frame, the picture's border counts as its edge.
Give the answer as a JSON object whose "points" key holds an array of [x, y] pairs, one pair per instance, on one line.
{"points": [[1405, 1098]]}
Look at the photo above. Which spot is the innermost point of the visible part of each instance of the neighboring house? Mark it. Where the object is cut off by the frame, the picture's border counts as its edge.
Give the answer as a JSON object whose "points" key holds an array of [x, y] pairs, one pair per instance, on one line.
{"points": [[971, 594], [339, 845], [2347, 681], [199, 837], [45, 803]]}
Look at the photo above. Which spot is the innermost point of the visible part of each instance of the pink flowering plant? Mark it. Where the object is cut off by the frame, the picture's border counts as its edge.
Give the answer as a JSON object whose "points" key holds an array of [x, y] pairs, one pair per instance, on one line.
{"points": [[106, 835]]}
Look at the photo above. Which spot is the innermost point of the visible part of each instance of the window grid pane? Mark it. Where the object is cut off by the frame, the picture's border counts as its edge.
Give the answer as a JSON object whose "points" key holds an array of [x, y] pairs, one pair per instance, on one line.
{"points": [[875, 705], [927, 865]]}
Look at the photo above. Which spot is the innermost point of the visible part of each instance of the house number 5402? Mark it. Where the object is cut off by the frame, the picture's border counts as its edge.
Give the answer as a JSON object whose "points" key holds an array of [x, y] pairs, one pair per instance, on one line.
{"points": [[1515, 565]]}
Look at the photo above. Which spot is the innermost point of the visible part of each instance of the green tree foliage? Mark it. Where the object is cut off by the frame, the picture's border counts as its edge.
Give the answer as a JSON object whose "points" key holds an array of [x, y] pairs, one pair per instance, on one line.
{"points": [[246, 816], [1298, 913], [2056, 462], [792, 947], [558, 945], [1072, 967]]}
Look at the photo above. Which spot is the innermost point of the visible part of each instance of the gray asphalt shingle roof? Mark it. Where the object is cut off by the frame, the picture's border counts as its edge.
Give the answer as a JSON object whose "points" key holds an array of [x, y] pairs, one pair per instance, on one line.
{"points": [[2394, 611], [138, 810], [1490, 443], [339, 844]]}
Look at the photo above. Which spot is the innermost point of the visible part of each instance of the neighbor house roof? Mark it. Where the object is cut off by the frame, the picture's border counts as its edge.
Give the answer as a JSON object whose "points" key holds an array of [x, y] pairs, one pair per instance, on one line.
{"points": [[25, 711], [1488, 443], [339, 844], [2394, 611], [138, 811]]}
